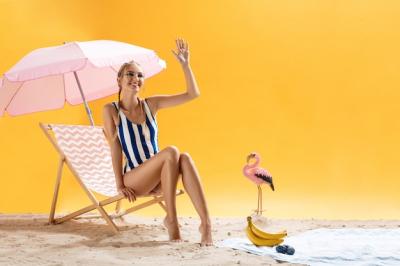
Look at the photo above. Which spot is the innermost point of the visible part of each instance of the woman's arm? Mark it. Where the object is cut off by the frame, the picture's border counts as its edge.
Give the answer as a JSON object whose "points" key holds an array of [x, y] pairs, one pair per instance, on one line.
{"points": [[115, 146], [116, 151], [192, 90]]}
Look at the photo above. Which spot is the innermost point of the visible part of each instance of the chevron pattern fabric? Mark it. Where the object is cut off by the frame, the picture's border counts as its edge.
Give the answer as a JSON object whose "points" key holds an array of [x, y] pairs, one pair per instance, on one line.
{"points": [[87, 149]]}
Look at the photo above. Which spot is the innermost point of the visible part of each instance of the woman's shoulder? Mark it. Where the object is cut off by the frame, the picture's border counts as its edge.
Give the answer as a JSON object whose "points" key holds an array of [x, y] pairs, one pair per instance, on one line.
{"points": [[110, 109], [150, 101]]}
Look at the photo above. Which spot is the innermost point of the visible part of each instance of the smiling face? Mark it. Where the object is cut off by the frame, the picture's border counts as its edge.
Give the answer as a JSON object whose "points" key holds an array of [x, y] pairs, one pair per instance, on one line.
{"points": [[131, 77]]}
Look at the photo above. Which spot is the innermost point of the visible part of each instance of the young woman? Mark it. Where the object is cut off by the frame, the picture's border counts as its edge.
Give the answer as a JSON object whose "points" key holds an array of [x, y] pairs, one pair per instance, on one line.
{"points": [[131, 129]]}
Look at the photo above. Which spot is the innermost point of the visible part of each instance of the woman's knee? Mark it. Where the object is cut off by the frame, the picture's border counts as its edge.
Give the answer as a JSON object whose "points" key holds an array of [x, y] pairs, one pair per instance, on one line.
{"points": [[185, 157], [172, 153]]}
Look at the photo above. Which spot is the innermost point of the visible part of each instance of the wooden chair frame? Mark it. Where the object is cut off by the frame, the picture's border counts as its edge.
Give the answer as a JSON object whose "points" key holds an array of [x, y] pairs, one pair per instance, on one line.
{"points": [[96, 204]]}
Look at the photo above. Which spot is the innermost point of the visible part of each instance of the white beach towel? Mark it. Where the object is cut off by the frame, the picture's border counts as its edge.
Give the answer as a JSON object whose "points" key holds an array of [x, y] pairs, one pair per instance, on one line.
{"points": [[332, 247]]}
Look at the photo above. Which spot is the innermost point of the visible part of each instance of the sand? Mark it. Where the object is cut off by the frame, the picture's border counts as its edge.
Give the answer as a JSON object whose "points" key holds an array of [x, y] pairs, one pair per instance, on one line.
{"points": [[29, 240]]}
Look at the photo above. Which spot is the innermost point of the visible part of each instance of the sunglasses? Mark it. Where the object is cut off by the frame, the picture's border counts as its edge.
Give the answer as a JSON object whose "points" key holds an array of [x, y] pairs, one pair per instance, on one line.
{"points": [[131, 74]]}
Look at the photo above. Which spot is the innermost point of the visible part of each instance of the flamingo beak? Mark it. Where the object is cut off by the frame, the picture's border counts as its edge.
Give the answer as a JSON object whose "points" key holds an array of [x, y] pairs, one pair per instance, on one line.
{"points": [[272, 186]]}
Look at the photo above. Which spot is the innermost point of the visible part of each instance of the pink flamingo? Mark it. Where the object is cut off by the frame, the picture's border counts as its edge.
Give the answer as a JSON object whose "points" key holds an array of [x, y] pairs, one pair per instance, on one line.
{"points": [[259, 176]]}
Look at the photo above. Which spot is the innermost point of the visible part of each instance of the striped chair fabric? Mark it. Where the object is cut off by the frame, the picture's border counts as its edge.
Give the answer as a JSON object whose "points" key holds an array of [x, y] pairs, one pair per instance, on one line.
{"points": [[87, 150]]}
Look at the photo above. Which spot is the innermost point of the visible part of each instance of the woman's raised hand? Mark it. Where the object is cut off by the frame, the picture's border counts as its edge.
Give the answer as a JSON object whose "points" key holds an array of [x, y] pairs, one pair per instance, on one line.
{"points": [[128, 193], [182, 53]]}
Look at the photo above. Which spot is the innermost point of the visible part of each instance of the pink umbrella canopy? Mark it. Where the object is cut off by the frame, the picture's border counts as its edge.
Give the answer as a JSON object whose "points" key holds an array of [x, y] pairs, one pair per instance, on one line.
{"points": [[45, 78]]}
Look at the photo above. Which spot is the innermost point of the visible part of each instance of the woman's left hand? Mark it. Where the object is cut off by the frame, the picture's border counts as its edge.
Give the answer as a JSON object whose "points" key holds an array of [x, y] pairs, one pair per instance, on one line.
{"points": [[182, 53]]}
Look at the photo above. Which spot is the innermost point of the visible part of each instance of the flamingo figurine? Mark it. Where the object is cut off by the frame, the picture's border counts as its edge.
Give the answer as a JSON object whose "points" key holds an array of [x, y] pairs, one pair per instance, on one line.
{"points": [[258, 176]]}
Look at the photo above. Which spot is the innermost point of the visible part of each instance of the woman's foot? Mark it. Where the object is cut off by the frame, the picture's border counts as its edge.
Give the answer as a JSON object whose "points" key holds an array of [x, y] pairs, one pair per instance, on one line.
{"points": [[173, 230], [205, 231]]}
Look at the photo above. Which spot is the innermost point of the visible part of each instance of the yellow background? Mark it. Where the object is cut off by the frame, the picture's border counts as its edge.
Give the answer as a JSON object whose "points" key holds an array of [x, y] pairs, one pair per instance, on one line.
{"points": [[313, 86]]}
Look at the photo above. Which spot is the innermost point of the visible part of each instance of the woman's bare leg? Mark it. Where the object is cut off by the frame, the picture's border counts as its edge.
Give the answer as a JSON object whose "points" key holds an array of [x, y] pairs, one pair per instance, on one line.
{"points": [[192, 185], [164, 167]]}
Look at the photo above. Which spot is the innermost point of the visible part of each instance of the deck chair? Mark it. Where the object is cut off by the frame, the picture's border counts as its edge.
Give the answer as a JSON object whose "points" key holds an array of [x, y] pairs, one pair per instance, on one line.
{"points": [[85, 150]]}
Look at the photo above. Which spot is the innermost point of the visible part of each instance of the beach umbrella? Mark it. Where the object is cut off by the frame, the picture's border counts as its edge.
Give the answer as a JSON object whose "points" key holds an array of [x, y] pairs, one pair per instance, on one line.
{"points": [[75, 72]]}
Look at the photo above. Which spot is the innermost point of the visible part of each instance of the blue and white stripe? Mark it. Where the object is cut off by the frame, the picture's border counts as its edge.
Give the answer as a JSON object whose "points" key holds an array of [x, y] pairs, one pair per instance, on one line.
{"points": [[139, 142]]}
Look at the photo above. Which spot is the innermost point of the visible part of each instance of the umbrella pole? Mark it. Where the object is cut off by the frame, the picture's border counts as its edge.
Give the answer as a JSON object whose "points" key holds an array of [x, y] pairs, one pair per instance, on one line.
{"points": [[88, 111]]}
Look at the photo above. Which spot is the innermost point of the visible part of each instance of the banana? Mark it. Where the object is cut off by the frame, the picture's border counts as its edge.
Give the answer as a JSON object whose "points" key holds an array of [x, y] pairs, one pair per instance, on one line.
{"points": [[261, 234], [260, 241]]}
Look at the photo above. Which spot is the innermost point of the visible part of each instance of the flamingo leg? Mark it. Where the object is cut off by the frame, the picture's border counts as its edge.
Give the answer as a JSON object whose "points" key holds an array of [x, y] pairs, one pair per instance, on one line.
{"points": [[258, 200], [259, 204], [260, 191]]}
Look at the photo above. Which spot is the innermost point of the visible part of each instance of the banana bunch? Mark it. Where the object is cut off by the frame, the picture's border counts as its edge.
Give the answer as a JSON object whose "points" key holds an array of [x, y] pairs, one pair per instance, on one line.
{"points": [[260, 238]]}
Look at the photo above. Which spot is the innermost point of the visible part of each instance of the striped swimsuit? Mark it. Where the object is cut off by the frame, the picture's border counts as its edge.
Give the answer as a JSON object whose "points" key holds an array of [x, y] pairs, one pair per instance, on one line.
{"points": [[138, 141]]}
